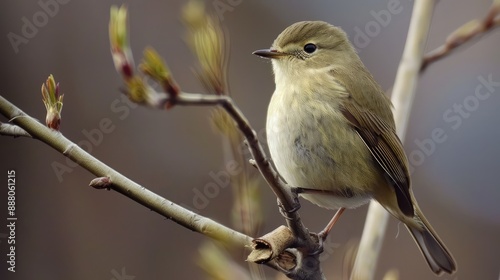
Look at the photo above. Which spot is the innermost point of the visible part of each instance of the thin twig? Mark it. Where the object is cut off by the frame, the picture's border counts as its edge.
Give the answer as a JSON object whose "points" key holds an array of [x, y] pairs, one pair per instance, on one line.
{"points": [[402, 98], [121, 183], [470, 31]]}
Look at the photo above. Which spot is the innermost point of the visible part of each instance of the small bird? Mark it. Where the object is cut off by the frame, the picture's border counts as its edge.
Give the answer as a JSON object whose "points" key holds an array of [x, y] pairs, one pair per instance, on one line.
{"points": [[331, 132]]}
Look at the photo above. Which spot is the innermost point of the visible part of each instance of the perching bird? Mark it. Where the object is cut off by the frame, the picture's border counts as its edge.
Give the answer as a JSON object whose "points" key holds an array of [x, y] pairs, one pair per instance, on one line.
{"points": [[331, 132]]}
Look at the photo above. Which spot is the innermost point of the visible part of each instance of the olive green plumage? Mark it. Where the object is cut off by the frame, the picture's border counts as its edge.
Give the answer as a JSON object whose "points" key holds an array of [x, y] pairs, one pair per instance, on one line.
{"points": [[331, 131]]}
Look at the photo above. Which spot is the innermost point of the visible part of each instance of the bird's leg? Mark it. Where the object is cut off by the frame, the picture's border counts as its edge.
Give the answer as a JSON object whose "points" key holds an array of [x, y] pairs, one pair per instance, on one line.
{"points": [[324, 233]]}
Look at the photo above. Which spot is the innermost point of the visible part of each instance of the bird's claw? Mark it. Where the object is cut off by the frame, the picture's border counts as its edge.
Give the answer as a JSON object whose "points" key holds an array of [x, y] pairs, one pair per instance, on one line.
{"points": [[321, 240], [285, 212]]}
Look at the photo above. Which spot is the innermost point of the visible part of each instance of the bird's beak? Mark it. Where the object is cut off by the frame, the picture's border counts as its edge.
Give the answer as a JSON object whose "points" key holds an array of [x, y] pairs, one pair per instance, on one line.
{"points": [[269, 53]]}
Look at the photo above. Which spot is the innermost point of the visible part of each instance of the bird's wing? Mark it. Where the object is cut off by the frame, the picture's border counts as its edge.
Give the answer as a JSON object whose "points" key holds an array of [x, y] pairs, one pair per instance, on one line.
{"points": [[385, 147]]}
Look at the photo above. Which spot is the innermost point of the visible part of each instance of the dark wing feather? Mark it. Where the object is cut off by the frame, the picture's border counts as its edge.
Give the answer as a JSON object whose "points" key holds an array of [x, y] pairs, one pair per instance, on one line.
{"points": [[386, 148]]}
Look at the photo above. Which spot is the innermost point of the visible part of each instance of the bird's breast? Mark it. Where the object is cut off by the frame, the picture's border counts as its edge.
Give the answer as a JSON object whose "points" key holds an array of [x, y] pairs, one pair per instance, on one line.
{"points": [[313, 147]]}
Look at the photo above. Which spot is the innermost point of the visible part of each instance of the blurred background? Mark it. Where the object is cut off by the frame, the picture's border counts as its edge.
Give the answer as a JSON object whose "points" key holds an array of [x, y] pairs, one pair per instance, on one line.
{"points": [[67, 230]]}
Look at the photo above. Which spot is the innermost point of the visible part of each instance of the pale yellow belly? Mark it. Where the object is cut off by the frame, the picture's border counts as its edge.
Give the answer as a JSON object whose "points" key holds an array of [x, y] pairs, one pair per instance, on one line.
{"points": [[313, 147]]}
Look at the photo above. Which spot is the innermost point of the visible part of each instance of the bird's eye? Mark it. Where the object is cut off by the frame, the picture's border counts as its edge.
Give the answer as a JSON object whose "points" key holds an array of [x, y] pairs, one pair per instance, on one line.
{"points": [[310, 48]]}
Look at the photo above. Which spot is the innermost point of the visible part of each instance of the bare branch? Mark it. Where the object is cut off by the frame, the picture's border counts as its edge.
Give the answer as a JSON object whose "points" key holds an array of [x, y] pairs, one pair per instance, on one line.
{"points": [[121, 183], [402, 99], [473, 30]]}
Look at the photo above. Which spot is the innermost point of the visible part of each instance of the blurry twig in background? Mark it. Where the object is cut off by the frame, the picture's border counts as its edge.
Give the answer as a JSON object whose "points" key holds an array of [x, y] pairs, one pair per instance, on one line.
{"points": [[402, 98], [206, 39], [392, 274], [219, 265], [473, 29]]}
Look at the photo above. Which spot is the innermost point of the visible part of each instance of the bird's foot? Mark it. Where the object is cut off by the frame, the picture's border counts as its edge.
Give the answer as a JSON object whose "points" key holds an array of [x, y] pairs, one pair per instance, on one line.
{"points": [[287, 211]]}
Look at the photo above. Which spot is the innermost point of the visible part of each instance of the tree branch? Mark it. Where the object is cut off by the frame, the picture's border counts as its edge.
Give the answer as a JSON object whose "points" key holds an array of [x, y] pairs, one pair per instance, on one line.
{"points": [[122, 184], [473, 30], [402, 98]]}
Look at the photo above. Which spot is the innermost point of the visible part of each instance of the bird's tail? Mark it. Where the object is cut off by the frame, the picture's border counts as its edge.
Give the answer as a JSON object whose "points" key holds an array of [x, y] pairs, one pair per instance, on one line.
{"points": [[437, 256]]}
